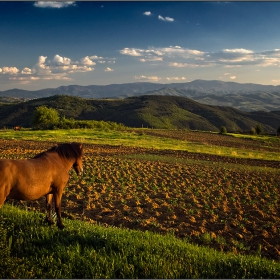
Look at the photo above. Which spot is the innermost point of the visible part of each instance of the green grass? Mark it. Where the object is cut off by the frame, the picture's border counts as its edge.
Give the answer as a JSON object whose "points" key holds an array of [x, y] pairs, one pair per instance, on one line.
{"points": [[128, 138], [31, 249]]}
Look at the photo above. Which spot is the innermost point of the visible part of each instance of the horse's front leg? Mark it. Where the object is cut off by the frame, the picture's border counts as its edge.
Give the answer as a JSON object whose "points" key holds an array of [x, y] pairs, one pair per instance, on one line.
{"points": [[57, 204], [49, 209]]}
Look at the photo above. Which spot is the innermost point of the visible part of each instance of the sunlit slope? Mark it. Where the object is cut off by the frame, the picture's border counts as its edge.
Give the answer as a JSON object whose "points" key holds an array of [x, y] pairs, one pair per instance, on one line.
{"points": [[172, 112]]}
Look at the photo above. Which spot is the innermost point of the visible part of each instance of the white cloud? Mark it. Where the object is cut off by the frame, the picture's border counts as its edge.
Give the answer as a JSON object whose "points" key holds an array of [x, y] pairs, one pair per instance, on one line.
{"points": [[240, 51], [182, 65], [171, 51], [41, 68], [87, 61], [176, 78], [10, 70], [147, 78], [26, 71], [148, 13], [183, 52], [27, 80], [42, 59], [64, 65], [232, 77], [59, 60], [53, 4], [243, 57], [83, 69], [131, 52], [76, 69], [166, 54], [233, 66], [269, 61], [177, 56], [275, 52], [95, 57], [151, 59], [58, 68], [165, 18]]}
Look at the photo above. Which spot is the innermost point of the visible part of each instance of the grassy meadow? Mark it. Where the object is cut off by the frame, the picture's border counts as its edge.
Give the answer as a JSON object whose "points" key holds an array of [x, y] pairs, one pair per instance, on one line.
{"points": [[29, 249], [145, 139], [150, 204]]}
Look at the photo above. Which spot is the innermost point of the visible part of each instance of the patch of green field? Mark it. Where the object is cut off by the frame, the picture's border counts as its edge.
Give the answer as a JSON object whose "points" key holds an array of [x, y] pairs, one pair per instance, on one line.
{"points": [[128, 138], [31, 249]]}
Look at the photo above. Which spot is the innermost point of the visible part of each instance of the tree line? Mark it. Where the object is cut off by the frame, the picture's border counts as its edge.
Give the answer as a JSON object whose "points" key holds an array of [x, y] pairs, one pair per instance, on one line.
{"points": [[49, 118], [254, 130]]}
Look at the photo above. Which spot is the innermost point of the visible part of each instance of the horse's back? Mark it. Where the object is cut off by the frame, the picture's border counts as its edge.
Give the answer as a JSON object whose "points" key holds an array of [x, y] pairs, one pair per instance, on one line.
{"points": [[25, 179]]}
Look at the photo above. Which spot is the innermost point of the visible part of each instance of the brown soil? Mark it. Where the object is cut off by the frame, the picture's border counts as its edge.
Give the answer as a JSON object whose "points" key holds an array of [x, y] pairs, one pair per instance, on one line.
{"points": [[228, 208]]}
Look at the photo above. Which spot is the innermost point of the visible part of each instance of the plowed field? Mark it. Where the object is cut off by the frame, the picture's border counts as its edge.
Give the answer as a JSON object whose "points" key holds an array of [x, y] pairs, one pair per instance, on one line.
{"points": [[227, 203]]}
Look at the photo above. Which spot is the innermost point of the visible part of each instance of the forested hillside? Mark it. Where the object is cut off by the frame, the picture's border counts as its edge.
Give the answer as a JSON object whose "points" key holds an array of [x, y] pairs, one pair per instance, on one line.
{"points": [[143, 111]]}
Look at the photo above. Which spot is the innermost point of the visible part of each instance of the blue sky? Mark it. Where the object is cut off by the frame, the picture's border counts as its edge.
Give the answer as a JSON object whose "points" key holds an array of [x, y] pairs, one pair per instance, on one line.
{"points": [[49, 44]]}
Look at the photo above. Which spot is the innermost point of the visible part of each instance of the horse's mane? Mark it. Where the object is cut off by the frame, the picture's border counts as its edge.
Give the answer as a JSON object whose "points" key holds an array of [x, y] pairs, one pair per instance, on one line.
{"points": [[68, 151]]}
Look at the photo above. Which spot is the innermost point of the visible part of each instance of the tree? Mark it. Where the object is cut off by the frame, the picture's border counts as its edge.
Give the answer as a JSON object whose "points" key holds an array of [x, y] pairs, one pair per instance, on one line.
{"points": [[258, 129], [223, 130], [253, 131], [45, 118]]}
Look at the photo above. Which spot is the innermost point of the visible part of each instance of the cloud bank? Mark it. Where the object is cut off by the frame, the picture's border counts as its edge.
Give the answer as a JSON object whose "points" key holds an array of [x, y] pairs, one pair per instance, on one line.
{"points": [[176, 56], [53, 4], [57, 68], [172, 59]]}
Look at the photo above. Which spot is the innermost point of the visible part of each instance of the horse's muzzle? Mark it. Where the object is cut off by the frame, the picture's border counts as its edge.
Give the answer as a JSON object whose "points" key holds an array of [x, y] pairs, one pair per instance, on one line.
{"points": [[79, 171]]}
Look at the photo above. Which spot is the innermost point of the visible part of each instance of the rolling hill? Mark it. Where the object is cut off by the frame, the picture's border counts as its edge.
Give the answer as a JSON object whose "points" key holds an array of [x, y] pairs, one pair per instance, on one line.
{"points": [[143, 111], [246, 97]]}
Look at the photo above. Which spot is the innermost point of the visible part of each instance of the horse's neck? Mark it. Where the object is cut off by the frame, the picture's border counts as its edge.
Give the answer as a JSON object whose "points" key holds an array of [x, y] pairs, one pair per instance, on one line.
{"points": [[67, 163], [55, 159]]}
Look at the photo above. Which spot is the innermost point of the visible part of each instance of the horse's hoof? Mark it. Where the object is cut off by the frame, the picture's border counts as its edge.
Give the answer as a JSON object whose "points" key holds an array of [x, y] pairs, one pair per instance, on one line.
{"points": [[61, 226], [49, 221]]}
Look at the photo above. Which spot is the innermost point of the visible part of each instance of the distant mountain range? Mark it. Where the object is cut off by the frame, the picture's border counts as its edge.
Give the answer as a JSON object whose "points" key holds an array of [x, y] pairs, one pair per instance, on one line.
{"points": [[246, 97], [171, 112]]}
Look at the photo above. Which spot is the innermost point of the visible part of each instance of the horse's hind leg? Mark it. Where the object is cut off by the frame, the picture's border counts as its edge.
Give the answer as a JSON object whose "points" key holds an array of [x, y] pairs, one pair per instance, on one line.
{"points": [[49, 209], [3, 196], [57, 205], [2, 199]]}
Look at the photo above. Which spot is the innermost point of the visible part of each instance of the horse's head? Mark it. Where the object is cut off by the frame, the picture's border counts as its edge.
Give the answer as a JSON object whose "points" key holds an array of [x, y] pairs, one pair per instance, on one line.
{"points": [[72, 153], [78, 164]]}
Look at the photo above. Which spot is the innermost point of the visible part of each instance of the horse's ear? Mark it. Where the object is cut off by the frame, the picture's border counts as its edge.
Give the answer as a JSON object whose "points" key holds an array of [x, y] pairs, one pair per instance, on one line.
{"points": [[78, 145], [55, 146]]}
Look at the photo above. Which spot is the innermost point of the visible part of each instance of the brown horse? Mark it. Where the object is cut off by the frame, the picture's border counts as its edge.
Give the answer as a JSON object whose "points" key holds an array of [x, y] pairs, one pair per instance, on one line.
{"points": [[17, 128], [45, 174]]}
